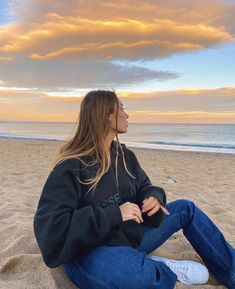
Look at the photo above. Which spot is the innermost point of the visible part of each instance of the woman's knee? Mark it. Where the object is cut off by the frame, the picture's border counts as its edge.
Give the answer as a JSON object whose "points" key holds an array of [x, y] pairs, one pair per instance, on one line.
{"points": [[184, 209], [185, 202], [180, 205]]}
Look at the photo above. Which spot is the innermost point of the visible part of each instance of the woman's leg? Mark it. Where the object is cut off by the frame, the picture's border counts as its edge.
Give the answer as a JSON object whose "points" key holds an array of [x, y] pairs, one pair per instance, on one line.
{"points": [[120, 267], [201, 232]]}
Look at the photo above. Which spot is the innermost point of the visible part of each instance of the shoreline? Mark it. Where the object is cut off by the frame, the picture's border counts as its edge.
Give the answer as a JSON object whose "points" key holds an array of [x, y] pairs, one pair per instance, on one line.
{"points": [[138, 145]]}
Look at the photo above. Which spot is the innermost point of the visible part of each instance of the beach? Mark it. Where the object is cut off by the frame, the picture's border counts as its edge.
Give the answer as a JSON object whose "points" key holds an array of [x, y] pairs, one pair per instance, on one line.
{"points": [[205, 178]]}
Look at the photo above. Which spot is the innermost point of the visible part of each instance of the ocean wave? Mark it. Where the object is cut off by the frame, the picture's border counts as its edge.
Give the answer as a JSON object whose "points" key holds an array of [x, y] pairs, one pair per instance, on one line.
{"points": [[178, 146], [12, 135]]}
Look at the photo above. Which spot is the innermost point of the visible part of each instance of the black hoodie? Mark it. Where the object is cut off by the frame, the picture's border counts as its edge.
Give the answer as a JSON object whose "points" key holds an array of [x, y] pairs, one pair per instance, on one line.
{"points": [[68, 222]]}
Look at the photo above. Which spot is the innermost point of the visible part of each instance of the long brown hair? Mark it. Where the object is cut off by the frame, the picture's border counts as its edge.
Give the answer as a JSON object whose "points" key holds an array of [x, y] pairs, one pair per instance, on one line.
{"points": [[91, 134]]}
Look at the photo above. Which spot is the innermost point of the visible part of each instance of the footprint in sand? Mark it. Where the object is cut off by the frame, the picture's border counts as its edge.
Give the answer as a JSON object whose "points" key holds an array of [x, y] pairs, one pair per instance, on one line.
{"points": [[19, 263], [11, 264]]}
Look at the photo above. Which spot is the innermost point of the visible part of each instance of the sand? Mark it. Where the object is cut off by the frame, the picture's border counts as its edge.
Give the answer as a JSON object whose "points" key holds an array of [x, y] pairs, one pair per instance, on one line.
{"points": [[206, 178]]}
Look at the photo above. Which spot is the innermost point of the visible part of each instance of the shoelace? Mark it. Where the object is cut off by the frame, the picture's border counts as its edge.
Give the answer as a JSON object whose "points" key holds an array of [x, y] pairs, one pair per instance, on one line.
{"points": [[180, 270]]}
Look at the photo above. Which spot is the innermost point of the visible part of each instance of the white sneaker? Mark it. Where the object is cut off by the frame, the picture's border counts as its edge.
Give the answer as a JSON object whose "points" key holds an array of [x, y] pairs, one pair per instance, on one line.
{"points": [[188, 272]]}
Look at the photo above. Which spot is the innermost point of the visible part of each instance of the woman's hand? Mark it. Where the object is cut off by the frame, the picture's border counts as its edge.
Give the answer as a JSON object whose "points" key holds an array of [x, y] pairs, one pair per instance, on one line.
{"points": [[131, 211], [152, 205]]}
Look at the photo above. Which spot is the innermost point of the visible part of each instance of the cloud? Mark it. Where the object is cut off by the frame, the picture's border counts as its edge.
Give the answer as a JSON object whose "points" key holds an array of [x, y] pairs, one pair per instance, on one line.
{"points": [[6, 59], [76, 38], [184, 11], [155, 29], [33, 106], [211, 105], [184, 117], [48, 75], [209, 100], [182, 106], [59, 44]]}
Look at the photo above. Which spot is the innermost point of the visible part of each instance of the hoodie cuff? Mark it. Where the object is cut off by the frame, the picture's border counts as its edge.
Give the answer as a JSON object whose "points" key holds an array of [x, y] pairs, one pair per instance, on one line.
{"points": [[114, 215], [158, 193]]}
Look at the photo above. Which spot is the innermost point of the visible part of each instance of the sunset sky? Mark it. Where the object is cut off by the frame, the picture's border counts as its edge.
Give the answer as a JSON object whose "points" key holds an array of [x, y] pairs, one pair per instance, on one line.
{"points": [[169, 61]]}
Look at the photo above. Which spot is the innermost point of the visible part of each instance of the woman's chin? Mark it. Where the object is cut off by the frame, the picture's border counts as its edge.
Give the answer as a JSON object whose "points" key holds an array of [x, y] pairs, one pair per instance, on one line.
{"points": [[122, 131]]}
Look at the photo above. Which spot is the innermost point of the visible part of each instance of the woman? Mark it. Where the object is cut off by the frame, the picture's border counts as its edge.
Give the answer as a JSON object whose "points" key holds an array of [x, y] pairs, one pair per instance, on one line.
{"points": [[99, 215]]}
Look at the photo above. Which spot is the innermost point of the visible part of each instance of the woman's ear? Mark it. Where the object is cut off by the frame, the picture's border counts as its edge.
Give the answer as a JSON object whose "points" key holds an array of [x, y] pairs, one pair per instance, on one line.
{"points": [[111, 116], [112, 120]]}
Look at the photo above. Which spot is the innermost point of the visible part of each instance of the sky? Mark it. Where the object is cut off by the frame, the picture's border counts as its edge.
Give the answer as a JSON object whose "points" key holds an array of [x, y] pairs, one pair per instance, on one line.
{"points": [[168, 61]]}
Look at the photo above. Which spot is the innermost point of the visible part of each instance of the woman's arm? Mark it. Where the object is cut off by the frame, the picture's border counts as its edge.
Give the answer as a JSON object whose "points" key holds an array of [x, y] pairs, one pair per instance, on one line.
{"points": [[61, 228], [145, 189]]}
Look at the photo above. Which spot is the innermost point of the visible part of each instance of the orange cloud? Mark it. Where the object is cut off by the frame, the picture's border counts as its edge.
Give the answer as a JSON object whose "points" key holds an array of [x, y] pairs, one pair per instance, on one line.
{"points": [[183, 117], [225, 91], [49, 37], [42, 47], [69, 37], [31, 106], [76, 38], [63, 99], [209, 106], [6, 59]]}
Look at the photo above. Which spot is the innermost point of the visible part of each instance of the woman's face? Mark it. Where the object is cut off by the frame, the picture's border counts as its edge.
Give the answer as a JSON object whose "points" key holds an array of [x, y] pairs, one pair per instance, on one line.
{"points": [[122, 117]]}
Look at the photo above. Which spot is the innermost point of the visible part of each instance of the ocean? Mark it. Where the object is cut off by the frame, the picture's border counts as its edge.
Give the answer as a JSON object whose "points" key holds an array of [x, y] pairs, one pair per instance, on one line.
{"points": [[189, 137]]}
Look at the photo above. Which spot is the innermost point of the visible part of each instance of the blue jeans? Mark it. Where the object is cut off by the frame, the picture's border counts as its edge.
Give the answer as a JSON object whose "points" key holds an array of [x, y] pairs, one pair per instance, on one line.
{"points": [[121, 267]]}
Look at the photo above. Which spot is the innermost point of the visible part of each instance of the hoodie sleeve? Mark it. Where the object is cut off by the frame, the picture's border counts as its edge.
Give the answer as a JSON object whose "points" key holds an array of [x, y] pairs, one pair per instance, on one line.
{"points": [[145, 189], [61, 228]]}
